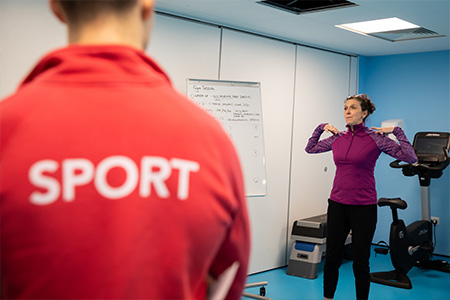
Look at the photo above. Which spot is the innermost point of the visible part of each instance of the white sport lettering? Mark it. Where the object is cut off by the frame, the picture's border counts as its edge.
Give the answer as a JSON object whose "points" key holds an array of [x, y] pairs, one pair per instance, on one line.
{"points": [[127, 187], [38, 179], [158, 178], [185, 168], [71, 178], [76, 172]]}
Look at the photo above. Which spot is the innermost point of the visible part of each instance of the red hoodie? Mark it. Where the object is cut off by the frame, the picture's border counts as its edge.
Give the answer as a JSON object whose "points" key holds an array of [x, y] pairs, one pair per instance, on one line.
{"points": [[113, 185]]}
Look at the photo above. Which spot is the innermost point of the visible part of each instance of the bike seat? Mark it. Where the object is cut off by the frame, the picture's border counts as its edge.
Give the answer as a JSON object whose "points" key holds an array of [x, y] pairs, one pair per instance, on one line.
{"points": [[393, 203]]}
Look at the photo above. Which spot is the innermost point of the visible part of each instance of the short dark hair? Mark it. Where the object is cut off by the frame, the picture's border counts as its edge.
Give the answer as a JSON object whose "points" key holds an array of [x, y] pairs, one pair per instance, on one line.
{"points": [[87, 10], [364, 102]]}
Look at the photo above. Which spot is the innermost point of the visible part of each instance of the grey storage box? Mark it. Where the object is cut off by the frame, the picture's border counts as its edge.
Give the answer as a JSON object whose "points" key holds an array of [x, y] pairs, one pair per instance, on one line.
{"points": [[310, 236], [305, 259]]}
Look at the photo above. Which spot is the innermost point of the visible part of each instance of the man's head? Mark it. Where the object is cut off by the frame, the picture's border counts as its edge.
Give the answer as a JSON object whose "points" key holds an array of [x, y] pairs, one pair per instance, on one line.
{"points": [[106, 21], [82, 11]]}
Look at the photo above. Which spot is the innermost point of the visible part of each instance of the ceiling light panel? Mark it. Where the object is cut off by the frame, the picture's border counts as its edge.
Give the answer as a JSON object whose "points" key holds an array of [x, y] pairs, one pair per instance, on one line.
{"points": [[391, 29], [382, 25]]}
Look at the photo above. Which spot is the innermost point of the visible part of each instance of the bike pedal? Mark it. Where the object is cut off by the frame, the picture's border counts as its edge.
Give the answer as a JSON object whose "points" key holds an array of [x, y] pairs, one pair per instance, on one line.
{"points": [[382, 251]]}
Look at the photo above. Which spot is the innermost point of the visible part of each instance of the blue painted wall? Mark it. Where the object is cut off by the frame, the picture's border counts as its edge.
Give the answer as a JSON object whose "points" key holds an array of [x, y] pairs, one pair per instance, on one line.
{"points": [[415, 88]]}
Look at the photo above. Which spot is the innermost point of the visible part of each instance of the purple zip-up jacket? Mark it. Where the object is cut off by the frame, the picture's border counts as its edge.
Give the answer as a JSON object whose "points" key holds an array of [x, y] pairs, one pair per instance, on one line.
{"points": [[355, 155]]}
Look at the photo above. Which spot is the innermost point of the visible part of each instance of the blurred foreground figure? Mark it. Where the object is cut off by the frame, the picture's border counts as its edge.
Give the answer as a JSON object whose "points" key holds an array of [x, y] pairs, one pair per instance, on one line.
{"points": [[113, 185]]}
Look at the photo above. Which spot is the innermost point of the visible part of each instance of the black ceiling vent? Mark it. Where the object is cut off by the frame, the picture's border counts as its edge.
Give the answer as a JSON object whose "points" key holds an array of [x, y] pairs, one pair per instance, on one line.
{"points": [[306, 6]]}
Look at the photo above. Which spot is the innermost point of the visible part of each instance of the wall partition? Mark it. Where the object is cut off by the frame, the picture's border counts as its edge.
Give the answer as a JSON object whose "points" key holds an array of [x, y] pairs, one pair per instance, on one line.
{"points": [[272, 63], [185, 49], [300, 88], [323, 80]]}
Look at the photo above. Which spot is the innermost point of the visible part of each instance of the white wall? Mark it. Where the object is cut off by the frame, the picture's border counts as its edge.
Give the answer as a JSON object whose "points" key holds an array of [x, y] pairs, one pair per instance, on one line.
{"points": [[28, 31], [323, 82], [317, 81], [300, 87], [185, 49], [250, 58]]}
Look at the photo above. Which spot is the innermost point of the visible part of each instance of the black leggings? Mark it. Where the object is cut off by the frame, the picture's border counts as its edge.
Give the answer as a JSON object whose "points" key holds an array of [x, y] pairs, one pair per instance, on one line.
{"points": [[362, 220]]}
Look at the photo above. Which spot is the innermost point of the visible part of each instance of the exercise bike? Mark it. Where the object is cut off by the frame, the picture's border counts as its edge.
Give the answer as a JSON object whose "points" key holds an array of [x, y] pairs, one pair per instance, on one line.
{"points": [[413, 245]]}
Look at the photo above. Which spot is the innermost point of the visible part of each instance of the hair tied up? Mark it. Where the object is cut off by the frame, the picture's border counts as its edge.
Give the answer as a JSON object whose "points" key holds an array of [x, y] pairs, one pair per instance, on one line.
{"points": [[364, 101]]}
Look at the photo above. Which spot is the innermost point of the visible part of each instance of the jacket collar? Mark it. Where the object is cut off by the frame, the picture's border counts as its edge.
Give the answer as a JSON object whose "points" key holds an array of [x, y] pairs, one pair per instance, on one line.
{"points": [[96, 63], [356, 128]]}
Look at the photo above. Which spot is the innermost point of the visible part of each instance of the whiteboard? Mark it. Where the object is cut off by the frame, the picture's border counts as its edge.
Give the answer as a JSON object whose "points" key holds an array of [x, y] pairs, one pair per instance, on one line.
{"points": [[237, 105]]}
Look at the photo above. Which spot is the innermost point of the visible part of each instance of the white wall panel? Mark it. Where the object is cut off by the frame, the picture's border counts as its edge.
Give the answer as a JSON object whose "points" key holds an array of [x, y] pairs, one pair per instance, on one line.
{"points": [[250, 58], [321, 87], [28, 30], [185, 49]]}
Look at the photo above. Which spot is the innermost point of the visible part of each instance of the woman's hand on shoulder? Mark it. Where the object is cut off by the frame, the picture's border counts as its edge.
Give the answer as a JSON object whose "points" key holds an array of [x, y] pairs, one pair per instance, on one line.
{"points": [[331, 129], [383, 130]]}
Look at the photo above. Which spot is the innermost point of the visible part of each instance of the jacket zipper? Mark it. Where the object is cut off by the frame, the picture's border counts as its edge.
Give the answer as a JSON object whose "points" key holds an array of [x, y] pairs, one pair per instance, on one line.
{"points": [[351, 142]]}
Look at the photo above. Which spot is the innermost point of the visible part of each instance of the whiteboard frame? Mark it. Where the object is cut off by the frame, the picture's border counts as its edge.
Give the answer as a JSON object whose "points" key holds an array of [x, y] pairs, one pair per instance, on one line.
{"points": [[248, 190]]}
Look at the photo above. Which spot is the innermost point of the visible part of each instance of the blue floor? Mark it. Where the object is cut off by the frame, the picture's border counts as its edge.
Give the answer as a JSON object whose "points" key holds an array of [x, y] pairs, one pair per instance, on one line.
{"points": [[427, 284]]}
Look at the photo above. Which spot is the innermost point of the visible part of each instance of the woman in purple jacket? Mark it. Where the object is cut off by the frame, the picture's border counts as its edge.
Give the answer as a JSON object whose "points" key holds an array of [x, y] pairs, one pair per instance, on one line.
{"points": [[353, 200]]}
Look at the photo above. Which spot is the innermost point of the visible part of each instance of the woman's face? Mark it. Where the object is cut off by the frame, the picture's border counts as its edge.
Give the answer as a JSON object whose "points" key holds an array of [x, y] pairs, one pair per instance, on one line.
{"points": [[353, 113]]}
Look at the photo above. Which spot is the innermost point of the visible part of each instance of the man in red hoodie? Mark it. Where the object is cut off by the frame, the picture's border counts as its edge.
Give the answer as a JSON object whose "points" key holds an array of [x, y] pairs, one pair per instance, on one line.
{"points": [[113, 185]]}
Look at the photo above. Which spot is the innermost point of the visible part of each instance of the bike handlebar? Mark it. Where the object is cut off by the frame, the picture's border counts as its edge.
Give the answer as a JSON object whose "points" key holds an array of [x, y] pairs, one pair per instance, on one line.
{"points": [[396, 164], [435, 167]]}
